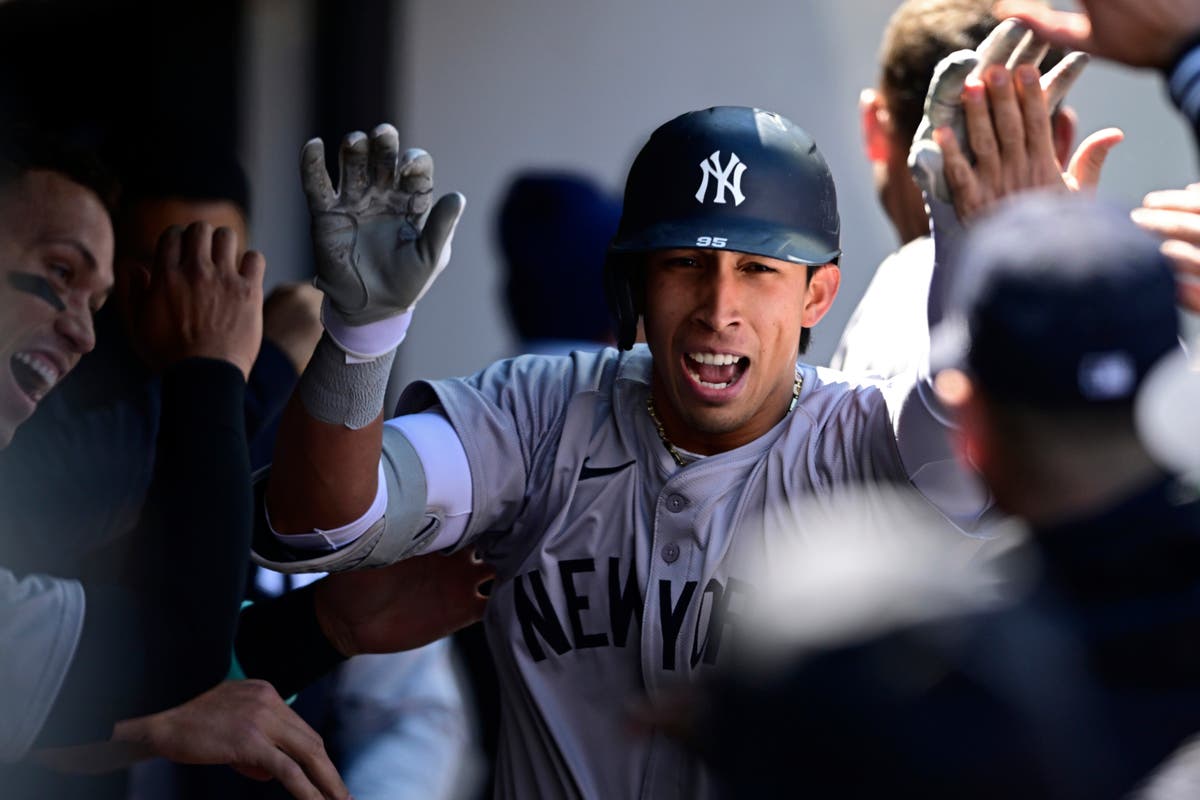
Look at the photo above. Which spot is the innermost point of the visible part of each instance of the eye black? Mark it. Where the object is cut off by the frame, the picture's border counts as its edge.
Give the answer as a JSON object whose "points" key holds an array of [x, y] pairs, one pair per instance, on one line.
{"points": [[37, 286]]}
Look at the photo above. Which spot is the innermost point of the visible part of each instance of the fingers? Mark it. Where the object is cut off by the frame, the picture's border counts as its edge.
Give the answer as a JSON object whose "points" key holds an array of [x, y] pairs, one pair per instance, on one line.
{"points": [[416, 180], [980, 133], [1169, 223], [352, 168], [434, 244], [1060, 28], [1058, 81], [964, 186], [1008, 119], [1031, 50], [197, 247], [1088, 160], [314, 177], [1177, 199], [1039, 138], [945, 90], [224, 249], [253, 268], [1000, 45], [168, 252], [1185, 257], [384, 154], [284, 746]]}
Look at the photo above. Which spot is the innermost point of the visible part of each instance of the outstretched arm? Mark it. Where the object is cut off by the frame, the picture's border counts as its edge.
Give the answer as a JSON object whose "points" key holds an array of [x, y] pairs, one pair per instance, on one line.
{"points": [[374, 261]]}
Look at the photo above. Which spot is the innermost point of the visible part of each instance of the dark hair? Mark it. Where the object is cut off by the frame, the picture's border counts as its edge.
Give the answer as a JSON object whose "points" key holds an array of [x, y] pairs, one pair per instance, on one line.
{"points": [[24, 148], [173, 163], [553, 228]]}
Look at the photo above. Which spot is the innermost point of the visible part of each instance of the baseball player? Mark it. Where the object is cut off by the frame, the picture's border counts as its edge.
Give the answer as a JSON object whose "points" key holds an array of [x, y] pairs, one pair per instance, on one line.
{"points": [[623, 496]]}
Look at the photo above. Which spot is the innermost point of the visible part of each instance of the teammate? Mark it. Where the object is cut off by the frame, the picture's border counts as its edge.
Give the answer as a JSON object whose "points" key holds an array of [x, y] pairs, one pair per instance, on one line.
{"points": [[887, 333], [623, 496], [1086, 681]]}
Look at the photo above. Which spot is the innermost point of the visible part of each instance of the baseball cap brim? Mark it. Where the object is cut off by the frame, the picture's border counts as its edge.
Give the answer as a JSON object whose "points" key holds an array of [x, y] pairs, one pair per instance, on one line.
{"points": [[762, 240]]}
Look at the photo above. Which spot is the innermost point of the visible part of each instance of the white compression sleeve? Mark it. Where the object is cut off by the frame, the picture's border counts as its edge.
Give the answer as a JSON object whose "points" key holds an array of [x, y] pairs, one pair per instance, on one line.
{"points": [[447, 473]]}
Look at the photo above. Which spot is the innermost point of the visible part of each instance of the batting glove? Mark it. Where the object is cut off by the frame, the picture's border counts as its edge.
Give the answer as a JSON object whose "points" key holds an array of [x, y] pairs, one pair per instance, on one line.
{"points": [[374, 258]]}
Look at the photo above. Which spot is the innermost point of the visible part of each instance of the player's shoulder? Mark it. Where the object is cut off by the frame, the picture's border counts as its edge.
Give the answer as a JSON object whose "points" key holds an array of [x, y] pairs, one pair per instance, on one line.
{"points": [[534, 379], [827, 392]]}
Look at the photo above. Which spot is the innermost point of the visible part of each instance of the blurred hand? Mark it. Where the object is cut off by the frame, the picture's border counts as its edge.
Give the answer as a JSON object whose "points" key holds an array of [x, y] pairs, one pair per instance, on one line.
{"points": [[1175, 216], [1140, 33], [199, 300], [244, 724], [292, 321], [402, 606]]}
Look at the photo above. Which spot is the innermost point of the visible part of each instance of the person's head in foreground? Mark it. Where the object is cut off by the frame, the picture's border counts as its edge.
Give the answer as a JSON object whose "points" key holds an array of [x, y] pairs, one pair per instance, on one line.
{"points": [[727, 248], [1058, 308]]}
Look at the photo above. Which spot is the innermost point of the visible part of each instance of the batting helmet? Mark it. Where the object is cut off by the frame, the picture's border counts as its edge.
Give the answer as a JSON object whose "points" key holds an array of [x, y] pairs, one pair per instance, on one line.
{"points": [[727, 177]]}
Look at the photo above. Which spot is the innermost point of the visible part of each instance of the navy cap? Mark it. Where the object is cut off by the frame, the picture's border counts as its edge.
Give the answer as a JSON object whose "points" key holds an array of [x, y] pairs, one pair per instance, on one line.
{"points": [[1057, 300]]}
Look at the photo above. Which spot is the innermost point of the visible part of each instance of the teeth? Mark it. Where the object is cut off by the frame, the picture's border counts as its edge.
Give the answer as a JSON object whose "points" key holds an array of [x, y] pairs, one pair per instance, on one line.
{"points": [[44, 368], [696, 378], [714, 359]]}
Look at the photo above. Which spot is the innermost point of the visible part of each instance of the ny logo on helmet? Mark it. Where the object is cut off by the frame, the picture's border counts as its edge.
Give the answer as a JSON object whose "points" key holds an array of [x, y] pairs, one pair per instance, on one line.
{"points": [[711, 166]]}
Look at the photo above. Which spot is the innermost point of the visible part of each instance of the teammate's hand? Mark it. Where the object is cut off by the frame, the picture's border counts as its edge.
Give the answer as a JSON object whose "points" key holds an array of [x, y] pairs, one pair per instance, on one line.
{"points": [[373, 258], [1175, 216], [403, 606], [1009, 129], [199, 300], [246, 725], [1140, 33], [292, 320], [1009, 45]]}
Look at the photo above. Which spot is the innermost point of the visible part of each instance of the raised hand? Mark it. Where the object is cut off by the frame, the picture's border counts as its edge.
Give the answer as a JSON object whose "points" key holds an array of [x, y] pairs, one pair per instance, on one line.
{"points": [[1009, 129], [1010, 45], [200, 300], [374, 258]]}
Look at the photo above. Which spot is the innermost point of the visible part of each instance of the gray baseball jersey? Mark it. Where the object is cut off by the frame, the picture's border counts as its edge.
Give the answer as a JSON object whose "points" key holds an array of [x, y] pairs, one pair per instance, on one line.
{"points": [[620, 573]]}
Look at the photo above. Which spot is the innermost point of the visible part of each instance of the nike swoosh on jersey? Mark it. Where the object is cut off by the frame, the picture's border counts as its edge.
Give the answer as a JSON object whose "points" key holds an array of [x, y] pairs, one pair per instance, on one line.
{"points": [[586, 472]]}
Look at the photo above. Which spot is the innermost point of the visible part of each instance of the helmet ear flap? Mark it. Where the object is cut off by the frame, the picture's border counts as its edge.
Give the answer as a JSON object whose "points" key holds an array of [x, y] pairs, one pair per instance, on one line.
{"points": [[623, 297]]}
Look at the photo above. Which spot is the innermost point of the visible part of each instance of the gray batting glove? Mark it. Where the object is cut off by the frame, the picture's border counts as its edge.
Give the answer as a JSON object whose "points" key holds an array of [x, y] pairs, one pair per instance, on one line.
{"points": [[374, 258], [1011, 43]]}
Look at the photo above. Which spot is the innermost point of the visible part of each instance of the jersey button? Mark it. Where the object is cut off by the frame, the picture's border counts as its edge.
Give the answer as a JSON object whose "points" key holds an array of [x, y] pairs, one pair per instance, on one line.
{"points": [[670, 552], [677, 503]]}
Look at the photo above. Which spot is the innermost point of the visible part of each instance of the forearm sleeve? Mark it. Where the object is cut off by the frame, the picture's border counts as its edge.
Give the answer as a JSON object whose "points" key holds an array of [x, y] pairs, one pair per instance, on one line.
{"points": [[427, 501]]}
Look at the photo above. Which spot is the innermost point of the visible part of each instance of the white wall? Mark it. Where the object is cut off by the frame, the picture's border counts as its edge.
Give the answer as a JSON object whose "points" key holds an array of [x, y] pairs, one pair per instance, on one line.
{"points": [[488, 88]]}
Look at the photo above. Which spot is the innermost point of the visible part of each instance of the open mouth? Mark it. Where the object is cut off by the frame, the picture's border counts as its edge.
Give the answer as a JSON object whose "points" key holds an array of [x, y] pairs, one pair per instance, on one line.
{"points": [[716, 370], [34, 373]]}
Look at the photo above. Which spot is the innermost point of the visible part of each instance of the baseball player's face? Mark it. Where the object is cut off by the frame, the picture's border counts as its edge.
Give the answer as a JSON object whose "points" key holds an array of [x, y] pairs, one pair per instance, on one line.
{"points": [[56, 251], [724, 330]]}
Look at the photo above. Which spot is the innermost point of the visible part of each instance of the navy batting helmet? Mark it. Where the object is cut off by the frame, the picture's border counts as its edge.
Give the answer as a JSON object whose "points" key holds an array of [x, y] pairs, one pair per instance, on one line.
{"points": [[727, 177]]}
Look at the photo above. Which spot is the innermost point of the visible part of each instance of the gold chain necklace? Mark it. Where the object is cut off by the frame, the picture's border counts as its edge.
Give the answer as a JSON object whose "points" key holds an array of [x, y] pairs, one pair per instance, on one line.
{"points": [[674, 451]]}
